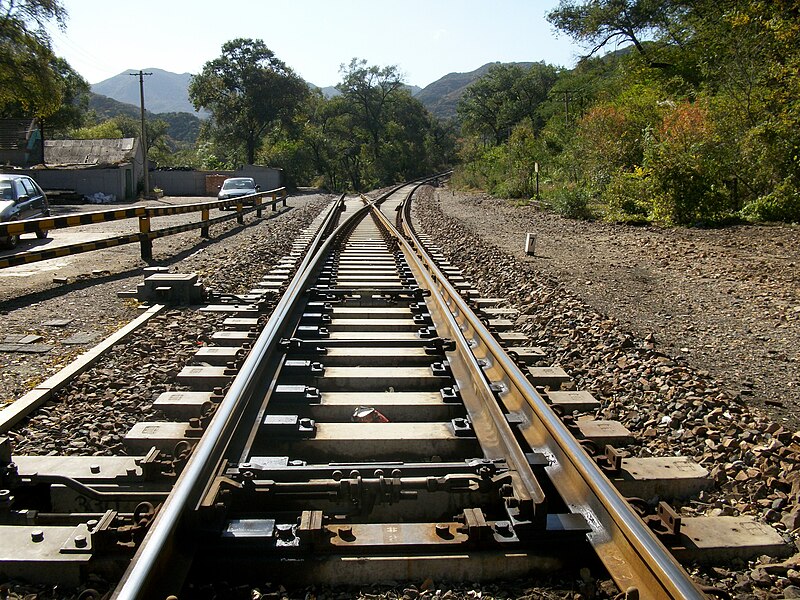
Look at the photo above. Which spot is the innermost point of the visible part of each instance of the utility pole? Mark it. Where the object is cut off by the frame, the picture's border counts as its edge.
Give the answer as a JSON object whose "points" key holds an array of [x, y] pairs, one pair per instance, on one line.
{"points": [[141, 75], [566, 101]]}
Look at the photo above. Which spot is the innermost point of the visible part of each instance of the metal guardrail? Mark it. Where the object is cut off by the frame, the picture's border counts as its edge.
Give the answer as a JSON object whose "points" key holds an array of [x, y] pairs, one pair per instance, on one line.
{"points": [[145, 236]]}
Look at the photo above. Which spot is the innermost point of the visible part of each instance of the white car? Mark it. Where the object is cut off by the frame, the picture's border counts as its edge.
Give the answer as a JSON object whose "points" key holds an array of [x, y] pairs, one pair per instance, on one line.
{"points": [[234, 187]]}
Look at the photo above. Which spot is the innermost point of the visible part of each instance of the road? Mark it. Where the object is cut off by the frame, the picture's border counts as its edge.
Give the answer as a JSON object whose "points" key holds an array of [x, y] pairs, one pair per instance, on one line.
{"points": [[64, 269]]}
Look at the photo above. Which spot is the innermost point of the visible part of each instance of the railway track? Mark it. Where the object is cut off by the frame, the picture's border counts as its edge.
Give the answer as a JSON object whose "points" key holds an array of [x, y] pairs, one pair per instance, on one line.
{"points": [[382, 424]]}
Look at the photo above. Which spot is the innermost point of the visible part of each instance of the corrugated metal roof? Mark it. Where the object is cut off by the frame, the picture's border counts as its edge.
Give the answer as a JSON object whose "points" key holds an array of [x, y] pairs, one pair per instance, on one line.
{"points": [[89, 152]]}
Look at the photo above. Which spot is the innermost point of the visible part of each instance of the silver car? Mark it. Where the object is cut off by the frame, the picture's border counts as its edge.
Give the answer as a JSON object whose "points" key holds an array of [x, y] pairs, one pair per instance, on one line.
{"points": [[234, 187], [21, 198]]}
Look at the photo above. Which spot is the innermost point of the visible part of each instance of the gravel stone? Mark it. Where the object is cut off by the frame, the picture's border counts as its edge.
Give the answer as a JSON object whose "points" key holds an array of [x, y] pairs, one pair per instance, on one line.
{"points": [[592, 299]]}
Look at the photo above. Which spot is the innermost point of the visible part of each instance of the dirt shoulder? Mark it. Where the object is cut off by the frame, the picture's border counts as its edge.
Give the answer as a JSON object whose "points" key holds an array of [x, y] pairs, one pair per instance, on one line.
{"points": [[71, 303], [723, 300]]}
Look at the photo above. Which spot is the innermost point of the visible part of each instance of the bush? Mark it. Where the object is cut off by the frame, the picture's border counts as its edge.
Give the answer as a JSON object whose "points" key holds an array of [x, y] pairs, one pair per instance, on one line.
{"points": [[687, 171], [783, 204], [627, 196], [572, 202]]}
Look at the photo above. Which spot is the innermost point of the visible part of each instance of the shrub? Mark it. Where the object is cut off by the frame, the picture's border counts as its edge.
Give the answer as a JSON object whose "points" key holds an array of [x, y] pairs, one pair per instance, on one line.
{"points": [[783, 204], [688, 174], [573, 202], [627, 196]]}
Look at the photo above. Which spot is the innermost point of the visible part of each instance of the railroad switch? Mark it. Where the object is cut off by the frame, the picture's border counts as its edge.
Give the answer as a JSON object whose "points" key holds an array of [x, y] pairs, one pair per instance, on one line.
{"points": [[323, 295], [427, 333], [666, 523], [168, 288], [5, 451], [423, 319], [156, 466], [323, 307], [300, 346], [315, 318], [611, 461], [515, 419], [475, 524], [498, 388], [439, 345], [441, 369], [312, 331], [462, 427]]}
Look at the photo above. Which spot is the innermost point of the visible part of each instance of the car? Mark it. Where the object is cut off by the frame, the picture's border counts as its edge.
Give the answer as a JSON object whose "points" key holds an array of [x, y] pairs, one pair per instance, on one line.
{"points": [[21, 198], [234, 187]]}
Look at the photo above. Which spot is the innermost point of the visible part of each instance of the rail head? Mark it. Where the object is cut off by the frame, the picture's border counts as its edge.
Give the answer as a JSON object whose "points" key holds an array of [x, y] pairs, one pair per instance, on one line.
{"points": [[139, 580], [630, 551]]}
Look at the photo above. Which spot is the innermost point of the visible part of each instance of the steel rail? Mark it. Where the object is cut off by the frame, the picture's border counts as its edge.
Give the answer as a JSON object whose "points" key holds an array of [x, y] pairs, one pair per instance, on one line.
{"points": [[491, 427], [149, 563], [631, 553]]}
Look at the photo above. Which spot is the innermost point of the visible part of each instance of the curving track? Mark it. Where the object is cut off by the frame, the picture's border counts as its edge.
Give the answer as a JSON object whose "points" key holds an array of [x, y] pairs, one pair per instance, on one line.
{"points": [[456, 468], [381, 427]]}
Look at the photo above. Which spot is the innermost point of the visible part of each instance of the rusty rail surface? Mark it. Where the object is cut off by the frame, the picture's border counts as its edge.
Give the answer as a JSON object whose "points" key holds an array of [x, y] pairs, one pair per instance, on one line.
{"points": [[633, 555], [371, 428]]}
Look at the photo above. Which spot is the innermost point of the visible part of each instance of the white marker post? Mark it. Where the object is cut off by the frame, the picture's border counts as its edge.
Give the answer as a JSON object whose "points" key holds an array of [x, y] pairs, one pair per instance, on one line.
{"points": [[530, 244]]}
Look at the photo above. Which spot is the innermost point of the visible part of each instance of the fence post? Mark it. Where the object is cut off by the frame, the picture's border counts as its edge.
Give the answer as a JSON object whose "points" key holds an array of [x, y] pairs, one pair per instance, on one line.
{"points": [[204, 217], [144, 237], [239, 215], [258, 206]]}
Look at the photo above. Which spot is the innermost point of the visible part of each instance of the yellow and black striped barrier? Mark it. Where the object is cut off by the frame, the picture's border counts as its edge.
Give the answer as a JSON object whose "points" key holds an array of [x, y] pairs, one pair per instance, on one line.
{"points": [[145, 236], [48, 223], [24, 258]]}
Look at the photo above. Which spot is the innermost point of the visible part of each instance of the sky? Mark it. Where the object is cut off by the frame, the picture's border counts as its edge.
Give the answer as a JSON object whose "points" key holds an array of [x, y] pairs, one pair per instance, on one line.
{"points": [[425, 39]]}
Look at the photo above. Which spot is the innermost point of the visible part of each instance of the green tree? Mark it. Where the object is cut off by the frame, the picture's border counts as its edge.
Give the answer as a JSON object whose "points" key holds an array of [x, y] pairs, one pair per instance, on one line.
{"points": [[601, 22], [369, 91], [74, 99], [503, 97], [372, 134], [247, 90], [123, 126], [28, 83]]}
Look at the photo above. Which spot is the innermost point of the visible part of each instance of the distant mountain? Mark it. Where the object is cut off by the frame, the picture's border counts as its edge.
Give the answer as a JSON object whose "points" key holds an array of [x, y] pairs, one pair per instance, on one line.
{"points": [[329, 91], [167, 92], [183, 126], [441, 97], [163, 91]]}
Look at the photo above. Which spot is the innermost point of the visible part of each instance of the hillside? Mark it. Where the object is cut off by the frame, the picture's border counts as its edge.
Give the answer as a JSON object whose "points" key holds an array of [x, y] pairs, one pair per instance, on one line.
{"points": [[441, 97], [183, 126], [163, 91], [167, 92]]}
